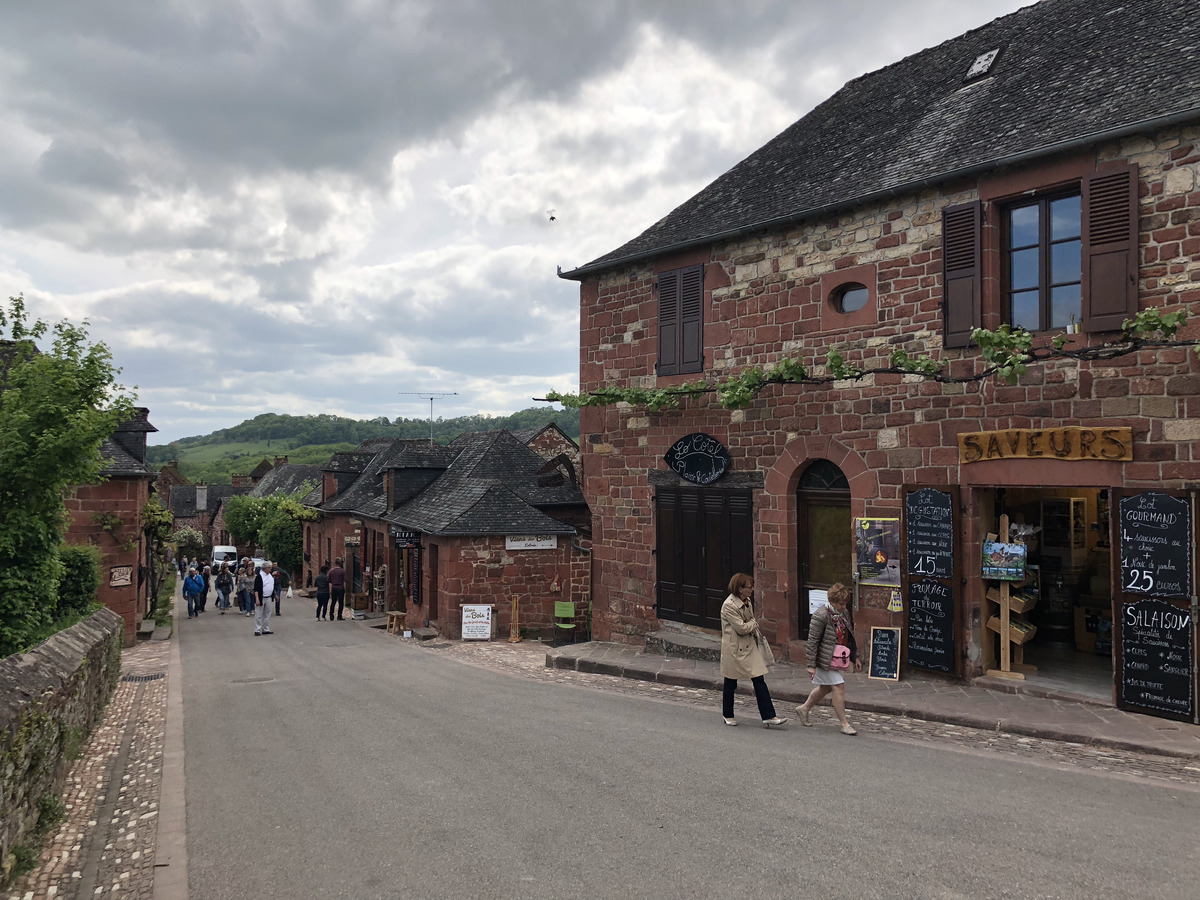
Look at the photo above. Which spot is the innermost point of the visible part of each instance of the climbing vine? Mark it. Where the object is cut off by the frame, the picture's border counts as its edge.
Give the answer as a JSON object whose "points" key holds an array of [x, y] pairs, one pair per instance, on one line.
{"points": [[1007, 352]]}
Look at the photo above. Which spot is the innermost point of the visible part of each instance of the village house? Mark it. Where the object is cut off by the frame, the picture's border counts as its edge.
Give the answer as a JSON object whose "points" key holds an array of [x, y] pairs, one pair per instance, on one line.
{"points": [[425, 528], [1042, 171], [108, 515]]}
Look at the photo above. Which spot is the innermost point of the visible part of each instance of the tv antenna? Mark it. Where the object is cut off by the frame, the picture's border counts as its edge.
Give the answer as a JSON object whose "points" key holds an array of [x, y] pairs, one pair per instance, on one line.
{"points": [[430, 396]]}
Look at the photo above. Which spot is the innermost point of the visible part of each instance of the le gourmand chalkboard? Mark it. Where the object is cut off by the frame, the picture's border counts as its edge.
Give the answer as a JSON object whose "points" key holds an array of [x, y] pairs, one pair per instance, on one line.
{"points": [[1156, 657], [1156, 542], [931, 625], [929, 532], [885, 654]]}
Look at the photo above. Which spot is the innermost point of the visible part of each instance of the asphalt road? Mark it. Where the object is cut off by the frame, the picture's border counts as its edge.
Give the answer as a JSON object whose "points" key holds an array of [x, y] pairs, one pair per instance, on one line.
{"points": [[329, 760]]}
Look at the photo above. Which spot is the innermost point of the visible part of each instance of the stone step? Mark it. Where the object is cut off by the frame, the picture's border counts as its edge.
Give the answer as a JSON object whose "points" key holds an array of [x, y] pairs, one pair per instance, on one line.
{"points": [[145, 629], [161, 633], [685, 645], [425, 634]]}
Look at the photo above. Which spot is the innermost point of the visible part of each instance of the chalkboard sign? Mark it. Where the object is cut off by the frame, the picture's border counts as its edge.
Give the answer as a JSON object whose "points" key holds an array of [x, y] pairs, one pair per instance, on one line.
{"points": [[931, 625], [885, 654], [1156, 657], [929, 532], [699, 458], [1156, 542]]}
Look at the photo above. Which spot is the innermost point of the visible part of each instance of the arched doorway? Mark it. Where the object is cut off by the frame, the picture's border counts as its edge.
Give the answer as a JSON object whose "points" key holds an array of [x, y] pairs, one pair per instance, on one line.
{"points": [[825, 535]]}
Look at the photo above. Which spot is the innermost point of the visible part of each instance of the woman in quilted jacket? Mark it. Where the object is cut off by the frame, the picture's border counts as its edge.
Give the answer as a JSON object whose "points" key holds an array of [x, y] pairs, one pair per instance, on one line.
{"points": [[830, 631]]}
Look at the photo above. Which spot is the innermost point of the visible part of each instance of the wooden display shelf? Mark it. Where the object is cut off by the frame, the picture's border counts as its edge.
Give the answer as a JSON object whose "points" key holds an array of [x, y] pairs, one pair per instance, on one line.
{"points": [[1020, 603], [1019, 630]]}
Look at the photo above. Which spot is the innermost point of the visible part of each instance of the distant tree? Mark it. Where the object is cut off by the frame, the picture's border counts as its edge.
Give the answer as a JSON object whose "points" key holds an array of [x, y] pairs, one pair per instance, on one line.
{"points": [[189, 542], [58, 402]]}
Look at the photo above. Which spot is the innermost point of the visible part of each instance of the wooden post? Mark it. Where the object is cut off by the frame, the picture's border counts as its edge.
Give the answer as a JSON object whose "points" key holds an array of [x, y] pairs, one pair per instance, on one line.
{"points": [[514, 630], [1012, 661]]}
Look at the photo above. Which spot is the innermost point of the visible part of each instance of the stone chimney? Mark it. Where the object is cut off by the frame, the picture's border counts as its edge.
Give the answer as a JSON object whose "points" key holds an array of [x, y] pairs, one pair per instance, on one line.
{"points": [[201, 497], [281, 460], [240, 480]]}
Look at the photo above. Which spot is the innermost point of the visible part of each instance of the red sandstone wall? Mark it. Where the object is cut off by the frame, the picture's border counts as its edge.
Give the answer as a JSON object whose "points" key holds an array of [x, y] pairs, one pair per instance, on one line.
{"points": [[766, 299]]}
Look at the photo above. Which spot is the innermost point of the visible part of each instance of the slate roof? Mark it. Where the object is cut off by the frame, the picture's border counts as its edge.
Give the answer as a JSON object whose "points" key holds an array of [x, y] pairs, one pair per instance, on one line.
{"points": [[118, 461], [287, 479], [183, 498], [139, 421], [348, 461], [261, 469], [527, 435], [1070, 73]]}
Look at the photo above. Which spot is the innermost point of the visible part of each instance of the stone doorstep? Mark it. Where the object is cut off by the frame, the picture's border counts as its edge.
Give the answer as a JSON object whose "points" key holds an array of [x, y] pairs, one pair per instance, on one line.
{"points": [[685, 645]]}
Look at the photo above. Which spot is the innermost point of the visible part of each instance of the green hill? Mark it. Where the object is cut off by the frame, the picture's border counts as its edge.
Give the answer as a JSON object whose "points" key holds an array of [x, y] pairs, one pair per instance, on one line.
{"points": [[213, 458]]}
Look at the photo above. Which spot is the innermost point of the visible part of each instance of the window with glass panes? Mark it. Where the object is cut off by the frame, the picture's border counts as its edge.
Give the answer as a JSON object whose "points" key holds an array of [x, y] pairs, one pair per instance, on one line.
{"points": [[1043, 263]]}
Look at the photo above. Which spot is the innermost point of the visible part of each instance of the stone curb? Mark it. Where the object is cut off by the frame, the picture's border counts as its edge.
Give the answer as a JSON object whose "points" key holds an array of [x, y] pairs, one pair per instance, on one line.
{"points": [[558, 660]]}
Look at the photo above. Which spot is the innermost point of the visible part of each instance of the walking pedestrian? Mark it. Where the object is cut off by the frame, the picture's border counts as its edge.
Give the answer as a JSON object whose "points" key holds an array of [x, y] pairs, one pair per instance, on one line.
{"points": [[830, 636], [192, 586], [742, 651], [283, 582], [206, 576], [264, 591], [246, 588], [321, 583], [337, 589], [224, 587]]}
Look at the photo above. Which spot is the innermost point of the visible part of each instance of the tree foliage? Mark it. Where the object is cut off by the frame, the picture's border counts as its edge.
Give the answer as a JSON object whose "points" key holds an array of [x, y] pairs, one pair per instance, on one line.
{"points": [[80, 579], [156, 523], [58, 401], [1007, 353], [189, 542], [274, 524]]}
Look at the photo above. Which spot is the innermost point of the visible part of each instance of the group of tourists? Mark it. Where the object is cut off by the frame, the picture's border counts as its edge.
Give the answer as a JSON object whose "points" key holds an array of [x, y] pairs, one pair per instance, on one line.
{"points": [[745, 653], [257, 590]]}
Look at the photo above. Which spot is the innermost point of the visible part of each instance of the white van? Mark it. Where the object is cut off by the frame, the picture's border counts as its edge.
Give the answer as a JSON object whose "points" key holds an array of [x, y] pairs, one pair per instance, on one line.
{"points": [[223, 553]]}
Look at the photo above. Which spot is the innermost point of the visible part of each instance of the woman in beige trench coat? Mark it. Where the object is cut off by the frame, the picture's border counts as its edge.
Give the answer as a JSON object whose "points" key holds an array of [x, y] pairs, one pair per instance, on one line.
{"points": [[741, 651]]}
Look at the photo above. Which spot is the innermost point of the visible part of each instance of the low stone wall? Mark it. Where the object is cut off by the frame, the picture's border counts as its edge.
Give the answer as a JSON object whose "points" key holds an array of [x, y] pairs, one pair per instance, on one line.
{"points": [[51, 697]]}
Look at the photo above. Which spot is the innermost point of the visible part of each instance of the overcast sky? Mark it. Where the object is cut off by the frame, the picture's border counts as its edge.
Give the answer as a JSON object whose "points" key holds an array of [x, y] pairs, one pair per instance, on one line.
{"points": [[308, 207]]}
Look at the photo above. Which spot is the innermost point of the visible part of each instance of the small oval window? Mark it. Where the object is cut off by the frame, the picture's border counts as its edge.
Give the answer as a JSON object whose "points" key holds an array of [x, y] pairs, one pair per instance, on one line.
{"points": [[850, 297]]}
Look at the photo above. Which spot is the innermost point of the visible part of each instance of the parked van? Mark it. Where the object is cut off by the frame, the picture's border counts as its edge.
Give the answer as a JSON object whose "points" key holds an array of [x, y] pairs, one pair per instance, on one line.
{"points": [[223, 553]]}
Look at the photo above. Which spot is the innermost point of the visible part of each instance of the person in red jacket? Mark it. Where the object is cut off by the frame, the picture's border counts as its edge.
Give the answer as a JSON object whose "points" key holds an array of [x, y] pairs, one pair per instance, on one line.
{"points": [[337, 589]]}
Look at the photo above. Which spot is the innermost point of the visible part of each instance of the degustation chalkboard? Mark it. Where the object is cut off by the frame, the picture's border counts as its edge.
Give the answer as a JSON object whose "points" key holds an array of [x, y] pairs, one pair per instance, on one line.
{"points": [[1156, 544], [929, 532], [885, 654], [1156, 657], [930, 625]]}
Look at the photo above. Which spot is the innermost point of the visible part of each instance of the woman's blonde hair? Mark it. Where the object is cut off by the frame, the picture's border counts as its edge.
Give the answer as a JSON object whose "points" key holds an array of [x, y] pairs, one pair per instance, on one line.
{"points": [[839, 593], [739, 581]]}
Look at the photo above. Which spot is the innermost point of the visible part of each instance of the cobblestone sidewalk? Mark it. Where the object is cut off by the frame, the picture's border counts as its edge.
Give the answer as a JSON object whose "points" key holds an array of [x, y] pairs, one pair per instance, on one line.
{"points": [[105, 845]]}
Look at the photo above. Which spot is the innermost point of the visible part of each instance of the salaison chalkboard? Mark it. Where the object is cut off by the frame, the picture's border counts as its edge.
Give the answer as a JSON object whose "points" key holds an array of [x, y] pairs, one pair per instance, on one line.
{"points": [[930, 625], [929, 532], [1156, 541], [1156, 657], [885, 654]]}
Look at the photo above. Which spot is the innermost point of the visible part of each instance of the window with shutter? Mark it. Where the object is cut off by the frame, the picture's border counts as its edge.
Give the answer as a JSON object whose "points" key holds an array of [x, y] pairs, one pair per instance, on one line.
{"points": [[681, 321], [1110, 201], [961, 274]]}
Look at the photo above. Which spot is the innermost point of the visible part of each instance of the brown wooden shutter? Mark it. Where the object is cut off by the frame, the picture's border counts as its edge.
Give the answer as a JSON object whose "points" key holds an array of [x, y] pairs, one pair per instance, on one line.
{"points": [[668, 323], [1110, 247], [691, 319], [962, 272]]}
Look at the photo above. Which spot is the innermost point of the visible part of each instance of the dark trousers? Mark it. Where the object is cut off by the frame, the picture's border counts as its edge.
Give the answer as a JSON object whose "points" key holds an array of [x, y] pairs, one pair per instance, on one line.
{"points": [[337, 599], [322, 605], [766, 708]]}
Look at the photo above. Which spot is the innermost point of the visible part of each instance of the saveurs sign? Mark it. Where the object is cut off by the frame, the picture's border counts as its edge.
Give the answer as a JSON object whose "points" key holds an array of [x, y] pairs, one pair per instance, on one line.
{"points": [[1071, 443]]}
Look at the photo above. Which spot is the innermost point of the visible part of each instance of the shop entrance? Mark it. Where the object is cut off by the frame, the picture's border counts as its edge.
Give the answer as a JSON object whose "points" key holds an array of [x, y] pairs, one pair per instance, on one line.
{"points": [[1066, 630]]}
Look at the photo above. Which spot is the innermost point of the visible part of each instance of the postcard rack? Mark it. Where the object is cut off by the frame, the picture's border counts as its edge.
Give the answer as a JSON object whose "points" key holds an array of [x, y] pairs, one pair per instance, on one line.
{"points": [[1014, 629]]}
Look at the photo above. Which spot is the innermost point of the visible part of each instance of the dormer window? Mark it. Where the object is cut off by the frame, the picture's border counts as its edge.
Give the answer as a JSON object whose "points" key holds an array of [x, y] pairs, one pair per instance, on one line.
{"points": [[982, 65]]}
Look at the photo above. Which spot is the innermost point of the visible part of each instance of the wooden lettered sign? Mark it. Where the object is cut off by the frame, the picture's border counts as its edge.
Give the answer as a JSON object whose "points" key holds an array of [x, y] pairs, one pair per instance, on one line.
{"points": [[1071, 443]]}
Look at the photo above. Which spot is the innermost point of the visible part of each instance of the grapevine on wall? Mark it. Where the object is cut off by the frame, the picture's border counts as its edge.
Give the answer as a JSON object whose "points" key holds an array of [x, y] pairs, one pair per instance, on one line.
{"points": [[1008, 352]]}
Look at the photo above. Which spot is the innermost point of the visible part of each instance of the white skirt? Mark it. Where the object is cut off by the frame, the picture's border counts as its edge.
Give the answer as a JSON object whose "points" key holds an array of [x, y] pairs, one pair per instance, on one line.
{"points": [[828, 676]]}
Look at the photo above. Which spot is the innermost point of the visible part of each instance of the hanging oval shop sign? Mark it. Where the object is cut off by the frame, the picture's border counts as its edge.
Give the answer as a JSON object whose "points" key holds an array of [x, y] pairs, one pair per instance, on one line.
{"points": [[698, 458]]}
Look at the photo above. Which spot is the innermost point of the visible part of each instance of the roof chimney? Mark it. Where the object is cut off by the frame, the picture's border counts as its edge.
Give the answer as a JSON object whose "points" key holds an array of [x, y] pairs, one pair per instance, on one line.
{"points": [[281, 460], [201, 497]]}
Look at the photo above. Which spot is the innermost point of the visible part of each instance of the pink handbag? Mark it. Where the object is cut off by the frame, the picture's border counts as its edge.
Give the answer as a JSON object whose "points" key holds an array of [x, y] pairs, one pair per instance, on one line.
{"points": [[841, 657]]}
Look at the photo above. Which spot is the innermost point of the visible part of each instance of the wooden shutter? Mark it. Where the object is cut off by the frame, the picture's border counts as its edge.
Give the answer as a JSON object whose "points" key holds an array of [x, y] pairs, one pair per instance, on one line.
{"points": [[1110, 247], [668, 323], [667, 554], [691, 319], [961, 273]]}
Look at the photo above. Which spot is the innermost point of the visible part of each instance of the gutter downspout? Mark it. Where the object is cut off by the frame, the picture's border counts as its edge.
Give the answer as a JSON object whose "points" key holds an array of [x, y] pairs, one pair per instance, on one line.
{"points": [[907, 187]]}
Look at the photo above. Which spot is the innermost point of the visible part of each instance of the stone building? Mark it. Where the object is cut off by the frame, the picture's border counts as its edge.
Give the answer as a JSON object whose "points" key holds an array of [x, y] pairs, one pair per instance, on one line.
{"points": [[1040, 171], [426, 528], [108, 515]]}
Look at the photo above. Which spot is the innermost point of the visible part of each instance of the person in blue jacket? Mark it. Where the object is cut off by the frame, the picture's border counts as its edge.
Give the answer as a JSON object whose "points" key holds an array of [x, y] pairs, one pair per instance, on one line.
{"points": [[193, 587]]}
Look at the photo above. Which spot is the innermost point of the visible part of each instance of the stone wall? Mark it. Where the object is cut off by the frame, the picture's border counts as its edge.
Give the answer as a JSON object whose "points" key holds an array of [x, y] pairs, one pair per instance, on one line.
{"points": [[768, 297], [51, 697]]}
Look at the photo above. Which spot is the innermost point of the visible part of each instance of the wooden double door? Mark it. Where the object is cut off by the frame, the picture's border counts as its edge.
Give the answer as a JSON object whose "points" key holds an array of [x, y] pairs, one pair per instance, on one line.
{"points": [[704, 536]]}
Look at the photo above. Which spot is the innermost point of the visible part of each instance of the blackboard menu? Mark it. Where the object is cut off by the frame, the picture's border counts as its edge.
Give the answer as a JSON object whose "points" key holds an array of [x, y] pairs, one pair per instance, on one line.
{"points": [[1156, 541], [885, 654], [931, 625], [1156, 656], [929, 532], [699, 458]]}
